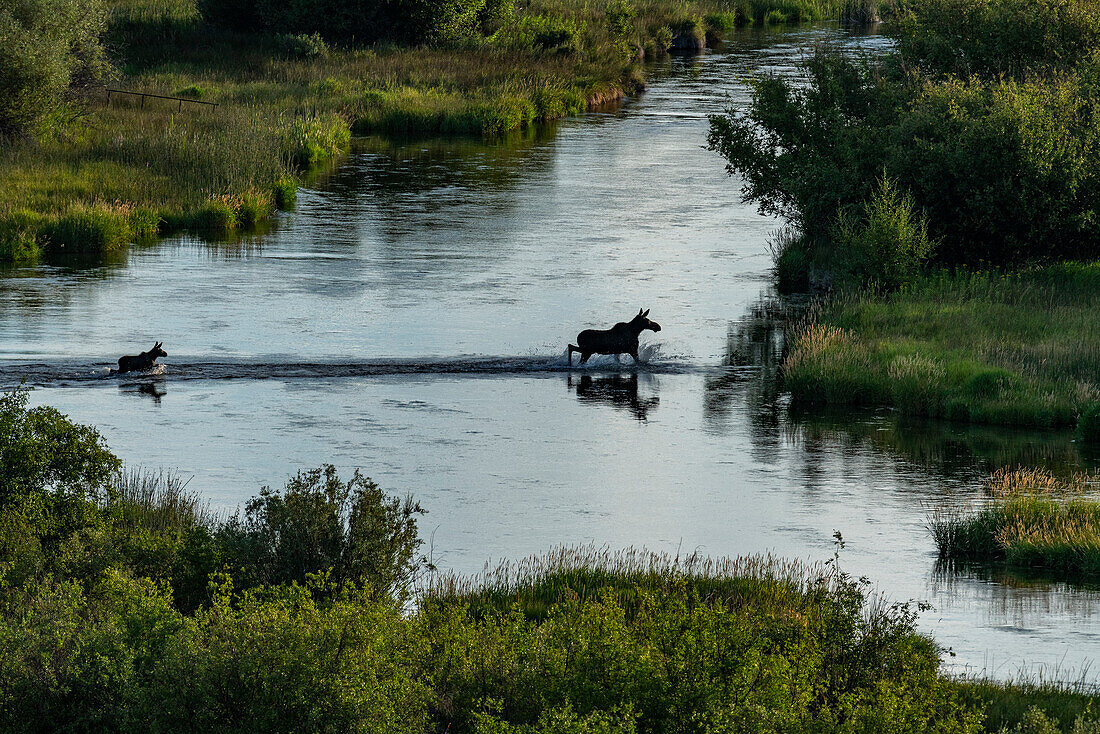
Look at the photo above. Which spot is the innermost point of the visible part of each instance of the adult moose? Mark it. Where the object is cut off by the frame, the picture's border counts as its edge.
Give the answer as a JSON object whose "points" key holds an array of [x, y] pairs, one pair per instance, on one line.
{"points": [[140, 362], [620, 338]]}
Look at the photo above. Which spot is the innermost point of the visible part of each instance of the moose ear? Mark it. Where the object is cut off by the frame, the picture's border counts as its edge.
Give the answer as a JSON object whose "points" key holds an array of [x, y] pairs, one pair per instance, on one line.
{"points": [[646, 312], [640, 312]]}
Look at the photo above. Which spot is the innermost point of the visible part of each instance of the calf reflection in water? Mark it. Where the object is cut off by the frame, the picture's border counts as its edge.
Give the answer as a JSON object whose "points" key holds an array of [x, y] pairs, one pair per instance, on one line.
{"points": [[618, 391]]}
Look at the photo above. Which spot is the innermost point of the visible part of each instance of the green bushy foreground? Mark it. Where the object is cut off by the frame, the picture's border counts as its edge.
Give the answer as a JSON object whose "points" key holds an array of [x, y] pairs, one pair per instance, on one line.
{"points": [[1012, 349], [124, 605], [1031, 520]]}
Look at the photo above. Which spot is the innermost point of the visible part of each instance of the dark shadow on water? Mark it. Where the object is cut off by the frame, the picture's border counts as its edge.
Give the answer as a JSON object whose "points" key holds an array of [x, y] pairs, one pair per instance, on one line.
{"points": [[152, 386], [946, 571], [948, 449], [618, 391]]}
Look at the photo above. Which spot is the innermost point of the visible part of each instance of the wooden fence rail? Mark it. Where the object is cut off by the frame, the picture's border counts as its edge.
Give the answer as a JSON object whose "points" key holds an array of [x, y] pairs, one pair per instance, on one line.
{"points": [[143, 95]]}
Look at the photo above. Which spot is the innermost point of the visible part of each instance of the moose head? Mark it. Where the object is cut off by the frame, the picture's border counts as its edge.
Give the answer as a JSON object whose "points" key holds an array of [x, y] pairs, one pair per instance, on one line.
{"points": [[641, 322]]}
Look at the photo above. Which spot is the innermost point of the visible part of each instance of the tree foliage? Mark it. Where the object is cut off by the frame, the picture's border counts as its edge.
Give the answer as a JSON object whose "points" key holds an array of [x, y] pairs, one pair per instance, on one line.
{"points": [[351, 530], [42, 451], [49, 49]]}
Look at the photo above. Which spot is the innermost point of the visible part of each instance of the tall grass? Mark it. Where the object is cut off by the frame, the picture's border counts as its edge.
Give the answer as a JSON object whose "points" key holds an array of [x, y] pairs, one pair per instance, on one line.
{"points": [[1017, 349], [538, 583], [1035, 705], [1031, 520], [157, 501]]}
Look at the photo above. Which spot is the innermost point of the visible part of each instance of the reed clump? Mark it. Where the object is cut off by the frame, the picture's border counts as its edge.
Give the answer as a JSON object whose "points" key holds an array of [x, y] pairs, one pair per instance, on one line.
{"points": [[1030, 520]]}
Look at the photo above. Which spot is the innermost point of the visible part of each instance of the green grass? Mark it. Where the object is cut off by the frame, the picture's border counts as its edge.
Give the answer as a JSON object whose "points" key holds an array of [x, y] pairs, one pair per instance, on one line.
{"points": [[1017, 349], [1032, 520], [1027, 706]]}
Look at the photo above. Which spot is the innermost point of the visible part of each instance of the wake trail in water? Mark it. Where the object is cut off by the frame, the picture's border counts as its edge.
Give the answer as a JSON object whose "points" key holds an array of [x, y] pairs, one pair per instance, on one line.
{"points": [[71, 373]]}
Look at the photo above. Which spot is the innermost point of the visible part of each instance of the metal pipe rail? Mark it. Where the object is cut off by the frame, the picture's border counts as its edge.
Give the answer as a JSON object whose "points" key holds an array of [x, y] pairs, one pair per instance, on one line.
{"points": [[143, 95]]}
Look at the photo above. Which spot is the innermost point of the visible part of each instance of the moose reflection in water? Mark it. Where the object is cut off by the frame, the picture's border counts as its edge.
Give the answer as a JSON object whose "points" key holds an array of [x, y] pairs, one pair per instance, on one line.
{"points": [[617, 390], [154, 388]]}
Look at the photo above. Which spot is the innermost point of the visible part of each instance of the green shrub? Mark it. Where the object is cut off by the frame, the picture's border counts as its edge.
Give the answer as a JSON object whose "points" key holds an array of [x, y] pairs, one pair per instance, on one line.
{"points": [[41, 451], [887, 244], [717, 25], [974, 157], [303, 45], [47, 49], [1088, 428], [543, 32], [1016, 38], [360, 21], [775, 17], [194, 91], [350, 530]]}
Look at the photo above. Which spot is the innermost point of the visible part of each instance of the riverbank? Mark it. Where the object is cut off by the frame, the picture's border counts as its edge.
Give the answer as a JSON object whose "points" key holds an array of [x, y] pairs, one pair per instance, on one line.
{"points": [[110, 173], [1016, 349]]}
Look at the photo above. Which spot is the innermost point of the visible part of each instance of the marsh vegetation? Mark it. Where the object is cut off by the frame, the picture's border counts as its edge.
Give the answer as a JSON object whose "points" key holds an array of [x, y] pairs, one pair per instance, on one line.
{"points": [[945, 194]]}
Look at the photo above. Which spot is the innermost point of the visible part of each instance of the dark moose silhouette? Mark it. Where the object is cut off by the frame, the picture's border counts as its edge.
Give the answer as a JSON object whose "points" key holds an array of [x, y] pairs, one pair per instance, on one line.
{"points": [[620, 338], [140, 362]]}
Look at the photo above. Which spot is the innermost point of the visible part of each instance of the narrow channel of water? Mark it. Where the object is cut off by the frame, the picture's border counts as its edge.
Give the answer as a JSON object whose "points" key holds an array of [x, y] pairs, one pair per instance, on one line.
{"points": [[411, 316]]}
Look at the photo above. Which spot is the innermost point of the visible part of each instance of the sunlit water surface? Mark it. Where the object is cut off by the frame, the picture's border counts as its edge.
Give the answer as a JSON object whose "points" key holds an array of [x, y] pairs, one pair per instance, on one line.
{"points": [[411, 316]]}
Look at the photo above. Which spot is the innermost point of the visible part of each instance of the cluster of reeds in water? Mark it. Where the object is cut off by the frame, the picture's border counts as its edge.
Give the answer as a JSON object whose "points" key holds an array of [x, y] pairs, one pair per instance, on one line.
{"points": [[1029, 518]]}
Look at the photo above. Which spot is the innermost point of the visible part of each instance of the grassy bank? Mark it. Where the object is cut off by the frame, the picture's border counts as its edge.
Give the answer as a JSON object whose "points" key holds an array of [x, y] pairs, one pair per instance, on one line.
{"points": [[1017, 349], [95, 177], [1030, 521]]}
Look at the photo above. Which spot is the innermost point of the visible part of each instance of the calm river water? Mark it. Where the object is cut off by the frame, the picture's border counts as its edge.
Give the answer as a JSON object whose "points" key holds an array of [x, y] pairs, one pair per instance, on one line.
{"points": [[410, 318]]}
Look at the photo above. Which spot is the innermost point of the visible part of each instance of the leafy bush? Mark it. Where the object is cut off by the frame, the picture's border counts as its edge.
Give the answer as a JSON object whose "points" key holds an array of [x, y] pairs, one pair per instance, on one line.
{"points": [[303, 45], [360, 21], [1088, 429], [1004, 37], [1005, 171], [319, 523], [887, 244], [41, 452], [47, 49]]}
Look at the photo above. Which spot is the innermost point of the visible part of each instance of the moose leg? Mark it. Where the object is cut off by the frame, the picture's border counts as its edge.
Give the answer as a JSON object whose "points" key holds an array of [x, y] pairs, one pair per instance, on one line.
{"points": [[584, 357], [634, 354]]}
